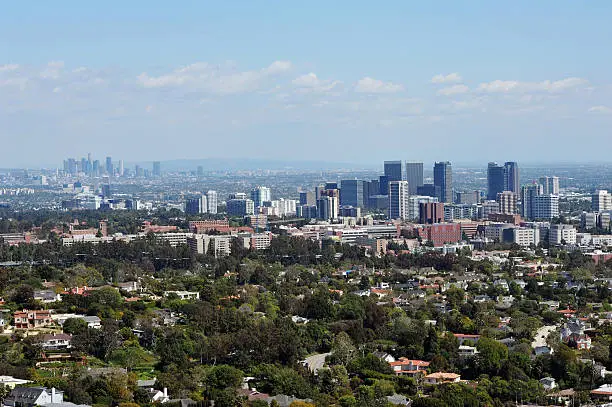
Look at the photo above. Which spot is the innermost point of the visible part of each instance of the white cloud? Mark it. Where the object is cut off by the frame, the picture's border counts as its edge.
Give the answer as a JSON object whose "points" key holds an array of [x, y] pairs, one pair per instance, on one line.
{"points": [[278, 67], [311, 83], [453, 90], [214, 79], [450, 78], [499, 86], [52, 70], [601, 109], [371, 85]]}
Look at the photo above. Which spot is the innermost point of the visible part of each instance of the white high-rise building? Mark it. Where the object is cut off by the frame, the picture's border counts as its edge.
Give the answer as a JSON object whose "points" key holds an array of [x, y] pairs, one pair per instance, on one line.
{"points": [[545, 206], [507, 202], [398, 200], [260, 194], [562, 234], [550, 185], [212, 201], [601, 201]]}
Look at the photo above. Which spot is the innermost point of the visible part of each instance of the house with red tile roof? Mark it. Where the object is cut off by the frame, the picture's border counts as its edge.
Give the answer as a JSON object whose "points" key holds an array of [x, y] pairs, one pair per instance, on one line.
{"points": [[442, 377], [27, 319], [411, 367], [467, 337]]}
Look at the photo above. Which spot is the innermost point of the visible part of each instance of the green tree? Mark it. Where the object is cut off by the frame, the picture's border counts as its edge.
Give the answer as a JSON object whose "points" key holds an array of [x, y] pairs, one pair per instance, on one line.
{"points": [[343, 350], [492, 355]]}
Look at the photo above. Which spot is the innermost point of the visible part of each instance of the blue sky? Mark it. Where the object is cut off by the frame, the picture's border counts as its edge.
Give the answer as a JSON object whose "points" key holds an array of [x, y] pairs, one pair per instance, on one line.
{"points": [[354, 81]]}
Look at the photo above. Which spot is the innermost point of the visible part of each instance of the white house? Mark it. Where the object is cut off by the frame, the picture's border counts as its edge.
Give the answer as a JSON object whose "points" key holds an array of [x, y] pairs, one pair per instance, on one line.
{"points": [[33, 396], [57, 342], [184, 295]]}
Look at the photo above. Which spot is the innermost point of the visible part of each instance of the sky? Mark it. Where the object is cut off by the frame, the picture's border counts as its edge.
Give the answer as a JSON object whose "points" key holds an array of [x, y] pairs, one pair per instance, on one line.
{"points": [[342, 81]]}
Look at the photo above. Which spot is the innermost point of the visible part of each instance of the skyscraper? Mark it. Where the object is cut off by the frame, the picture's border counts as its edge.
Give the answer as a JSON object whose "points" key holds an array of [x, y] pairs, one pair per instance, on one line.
{"points": [[240, 207], [398, 200], [414, 176], [528, 194], [212, 201], [308, 198], [507, 202], [512, 177], [328, 204], [121, 169], [550, 185], [260, 194], [383, 185], [601, 200], [353, 193], [443, 178], [495, 180], [109, 166], [156, 169], [394, 170], [196, 205]]}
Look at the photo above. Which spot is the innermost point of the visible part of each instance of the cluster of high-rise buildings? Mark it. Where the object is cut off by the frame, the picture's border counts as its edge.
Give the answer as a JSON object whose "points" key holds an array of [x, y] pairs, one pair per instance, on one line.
{"points": [[402, 191], [87, 166], [204, 203]]}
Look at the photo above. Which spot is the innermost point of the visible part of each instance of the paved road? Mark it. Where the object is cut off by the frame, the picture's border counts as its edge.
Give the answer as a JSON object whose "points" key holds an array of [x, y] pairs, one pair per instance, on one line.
{"points": [[316, 362], [541, 335]]}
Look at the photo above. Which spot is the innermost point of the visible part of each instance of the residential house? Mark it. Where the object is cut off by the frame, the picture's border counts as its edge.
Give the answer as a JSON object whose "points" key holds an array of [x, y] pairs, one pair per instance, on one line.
{"points": [[562, 397], [482, 298], [542, 350], [442, 377], [299, 320], [384, 356], [158, 396], [56, 342], [285, 401], [501, 284], [604, 392], [572, 333], [548, 383], [12, 382], [92, 321], [552, 305], [404, 366], [27, 319], [467, 351], [467, 337], [183, 295], [398, 400], [33, 396], [130, 286], [47, 296], [166, 317]]}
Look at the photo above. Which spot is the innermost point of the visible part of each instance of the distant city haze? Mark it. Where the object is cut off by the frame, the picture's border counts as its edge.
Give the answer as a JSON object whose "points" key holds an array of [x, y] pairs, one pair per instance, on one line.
{"points": [[339, 82]]}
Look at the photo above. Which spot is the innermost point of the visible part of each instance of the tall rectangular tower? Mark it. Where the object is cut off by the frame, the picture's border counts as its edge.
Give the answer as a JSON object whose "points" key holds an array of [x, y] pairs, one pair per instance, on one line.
{"points": [[495, 180], [443, 178], [512, 181], [398, 200], [414, 176], [394, 170]]}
